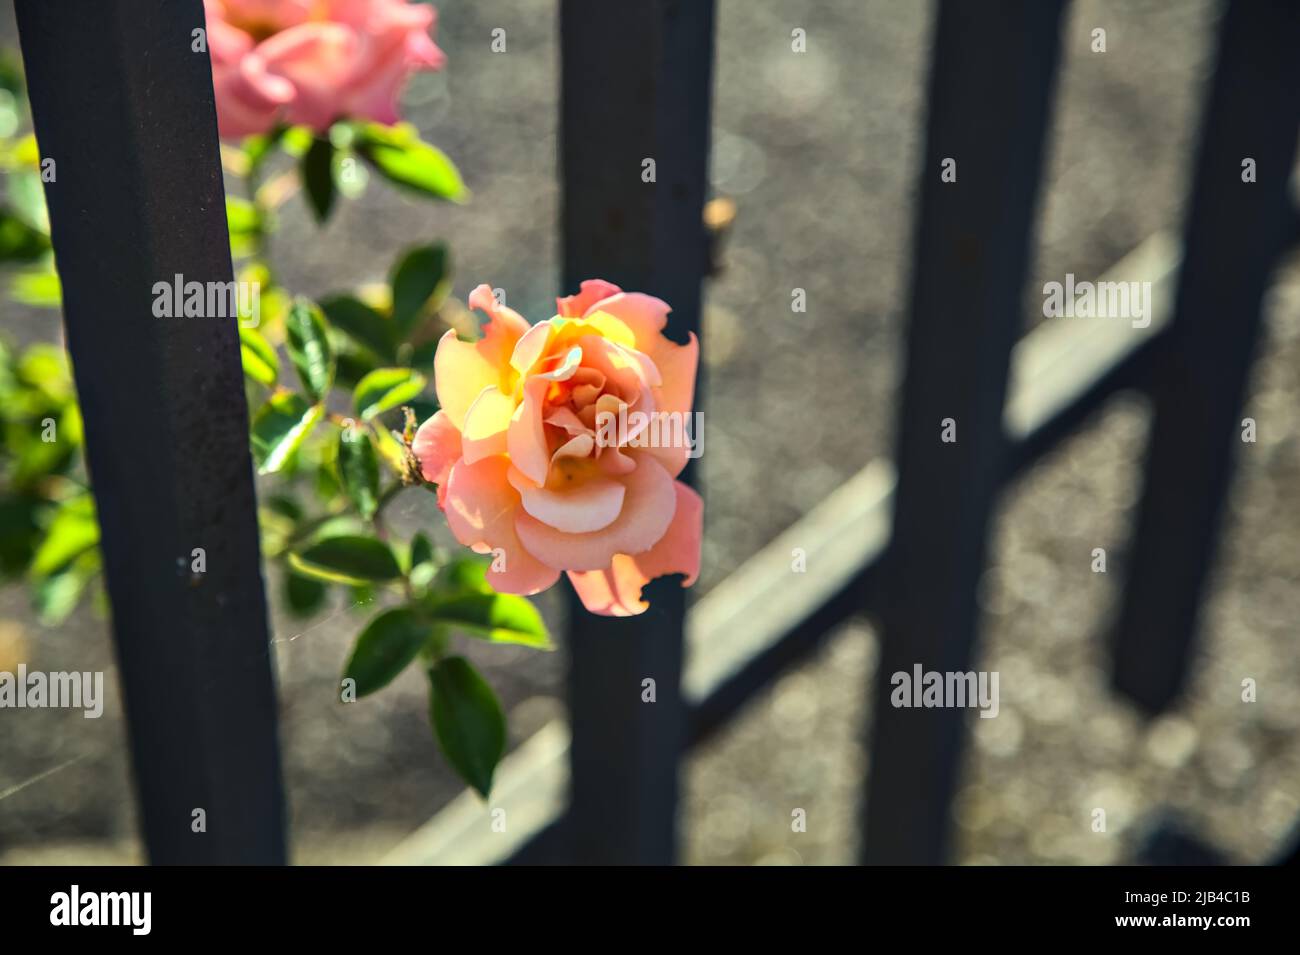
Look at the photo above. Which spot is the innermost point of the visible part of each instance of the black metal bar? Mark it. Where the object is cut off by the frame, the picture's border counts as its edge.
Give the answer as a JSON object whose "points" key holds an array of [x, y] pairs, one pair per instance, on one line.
{"points": [[124, 107], [636, 86], [992, 73], [1234, 233]]}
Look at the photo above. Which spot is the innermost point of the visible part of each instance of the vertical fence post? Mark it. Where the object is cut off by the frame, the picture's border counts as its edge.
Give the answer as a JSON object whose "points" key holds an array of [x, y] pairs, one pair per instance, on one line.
{"points": [[1234, 233], [992, 73], [124, 107], [635, 86]]}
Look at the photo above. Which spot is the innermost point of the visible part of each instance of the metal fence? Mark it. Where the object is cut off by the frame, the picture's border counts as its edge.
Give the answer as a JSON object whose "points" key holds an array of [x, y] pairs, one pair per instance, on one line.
{"points": [[128, 111]]}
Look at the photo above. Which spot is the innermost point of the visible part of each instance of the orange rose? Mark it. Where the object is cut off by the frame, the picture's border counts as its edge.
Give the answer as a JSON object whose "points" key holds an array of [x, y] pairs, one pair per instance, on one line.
{"points": [[533, 458]]}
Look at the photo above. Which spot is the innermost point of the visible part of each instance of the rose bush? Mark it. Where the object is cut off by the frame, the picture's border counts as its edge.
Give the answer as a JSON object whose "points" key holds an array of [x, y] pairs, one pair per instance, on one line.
{"points": [[515, 448], [518, 458], [335, 388], [311, 62]]}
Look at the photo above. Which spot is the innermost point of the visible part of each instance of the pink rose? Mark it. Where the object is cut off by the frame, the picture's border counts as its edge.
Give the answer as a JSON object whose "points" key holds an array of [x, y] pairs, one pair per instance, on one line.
{"points": [[530, 464], [311, 62]]}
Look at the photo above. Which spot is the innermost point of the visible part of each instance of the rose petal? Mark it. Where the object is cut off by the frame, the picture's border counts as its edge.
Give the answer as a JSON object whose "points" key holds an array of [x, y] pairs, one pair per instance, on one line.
{"points": [[677, 365], [526, 438], [594, 505], [614, 462], [248, 97], [616, 590], [648, 506], [579, 446], [644, 314], [486, 423], [460, 373], [320, 60], [398, 45], [481, 511], [504, 328], [623, 371], [531, 347], [566, 365], [437, 447], [607, 327], [592, 291], [672, 457], [563, 417]]}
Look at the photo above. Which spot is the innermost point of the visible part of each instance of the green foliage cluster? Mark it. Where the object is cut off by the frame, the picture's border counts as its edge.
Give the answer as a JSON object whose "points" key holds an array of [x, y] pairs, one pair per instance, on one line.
{"points": [[335, 390]]}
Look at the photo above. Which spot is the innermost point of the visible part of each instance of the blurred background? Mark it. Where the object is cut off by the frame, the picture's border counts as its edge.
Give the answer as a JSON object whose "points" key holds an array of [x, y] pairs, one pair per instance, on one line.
{"points": [[819, 153]]}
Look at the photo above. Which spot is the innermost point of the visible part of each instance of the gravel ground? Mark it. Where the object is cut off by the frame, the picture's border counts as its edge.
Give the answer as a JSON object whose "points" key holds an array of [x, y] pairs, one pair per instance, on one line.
{"points": [[819, 150]]}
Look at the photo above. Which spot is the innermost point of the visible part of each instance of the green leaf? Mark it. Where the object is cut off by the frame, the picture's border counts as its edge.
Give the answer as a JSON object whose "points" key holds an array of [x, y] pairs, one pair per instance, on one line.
{"points": [[353, 365], [304, 595], [11, 73], [362, 324], [420, 281], [348, 559], [279, 429], [73, 531], [296, 140], [385, 647], [386, 388], [422, 568], [359, 469], [27, 193], [421, 550], [309, 347], [39, 287], [318, 177], [71, 425], [400, 157], [360, 596], [23, 152], [45, 367], [56, 596], [259, 148], [350, 176], [340, 525], [20, 533], [19, 242], [497, 618], [327, 485], [467, 720], [8, 118], [242, 217], [284, 504], [37, 459], [464, 574], [261, 363]]}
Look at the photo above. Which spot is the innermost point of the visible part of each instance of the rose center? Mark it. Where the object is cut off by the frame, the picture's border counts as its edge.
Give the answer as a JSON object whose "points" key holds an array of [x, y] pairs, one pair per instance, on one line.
{"points": [[568, 472], [259, 30]]}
